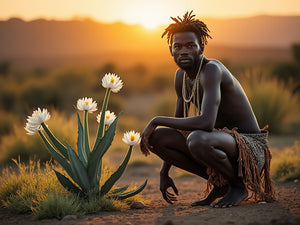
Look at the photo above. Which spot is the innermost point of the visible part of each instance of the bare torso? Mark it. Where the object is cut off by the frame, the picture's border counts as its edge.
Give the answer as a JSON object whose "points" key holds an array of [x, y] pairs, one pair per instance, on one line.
{"points": [[234, 108]]}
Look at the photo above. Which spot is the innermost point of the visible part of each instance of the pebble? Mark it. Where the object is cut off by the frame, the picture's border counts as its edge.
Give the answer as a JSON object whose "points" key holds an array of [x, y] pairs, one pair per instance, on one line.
{"points": [[137, 205], [169, 222], [69, 217], [296, 181], [127, 223], [263, 202]]}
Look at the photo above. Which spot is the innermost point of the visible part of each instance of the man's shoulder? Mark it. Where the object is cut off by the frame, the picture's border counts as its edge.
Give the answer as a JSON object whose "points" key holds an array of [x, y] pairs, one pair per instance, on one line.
{"points": [[212, 70], [213, 64]]}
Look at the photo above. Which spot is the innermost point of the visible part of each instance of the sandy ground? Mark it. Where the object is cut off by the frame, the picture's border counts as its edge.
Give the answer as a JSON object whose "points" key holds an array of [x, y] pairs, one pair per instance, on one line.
{"points": [[285, 211]]}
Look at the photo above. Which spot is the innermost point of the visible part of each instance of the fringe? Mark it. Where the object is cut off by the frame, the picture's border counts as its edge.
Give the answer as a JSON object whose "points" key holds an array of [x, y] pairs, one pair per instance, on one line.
{"points": [[259, 184]]}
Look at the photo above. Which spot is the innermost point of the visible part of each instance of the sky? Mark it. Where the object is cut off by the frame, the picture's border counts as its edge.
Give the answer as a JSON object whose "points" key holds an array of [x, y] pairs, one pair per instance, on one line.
{"points": [[149, 13]]}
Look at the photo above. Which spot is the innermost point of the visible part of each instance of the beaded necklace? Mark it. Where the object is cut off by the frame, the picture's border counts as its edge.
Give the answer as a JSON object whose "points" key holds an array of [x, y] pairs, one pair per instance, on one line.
{"points": [[195, 91]]}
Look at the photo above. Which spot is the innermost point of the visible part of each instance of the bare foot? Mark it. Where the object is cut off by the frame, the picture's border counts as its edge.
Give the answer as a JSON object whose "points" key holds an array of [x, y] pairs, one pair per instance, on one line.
{"points": [[215, 193], [234, 196]]}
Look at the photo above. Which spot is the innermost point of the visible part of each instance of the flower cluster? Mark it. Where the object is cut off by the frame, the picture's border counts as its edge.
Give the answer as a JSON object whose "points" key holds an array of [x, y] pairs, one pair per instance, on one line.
{"points": [[34, 122], [86, 104], [108, 118], [131, 138], [112, 81]]}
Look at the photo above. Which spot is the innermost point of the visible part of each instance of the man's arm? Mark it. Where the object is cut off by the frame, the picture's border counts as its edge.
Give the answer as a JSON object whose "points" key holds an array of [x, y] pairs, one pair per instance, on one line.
{"points": [[210, 81], [178, 112], [165, 180]]}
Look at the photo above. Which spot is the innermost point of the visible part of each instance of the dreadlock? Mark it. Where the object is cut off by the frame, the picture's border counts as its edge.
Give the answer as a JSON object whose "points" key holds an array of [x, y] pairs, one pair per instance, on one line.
{"points": [[186, 24]]}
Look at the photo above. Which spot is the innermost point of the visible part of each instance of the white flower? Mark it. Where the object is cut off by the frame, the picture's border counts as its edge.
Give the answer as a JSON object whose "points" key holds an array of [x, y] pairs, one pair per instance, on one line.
{"points": [[87, 104], [108, 118], [131, 138], [31, 130], [34, 122], [112, 81]]}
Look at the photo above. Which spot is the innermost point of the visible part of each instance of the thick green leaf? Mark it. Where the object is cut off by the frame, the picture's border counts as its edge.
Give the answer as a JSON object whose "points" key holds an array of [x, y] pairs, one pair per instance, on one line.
{"points": [[78, 169], [81, 153], [101, 126], [61, 160], [60, 147], [131, 193], [96, 155], [119, 190], [66, 183], [86, 135], [116, 175]]}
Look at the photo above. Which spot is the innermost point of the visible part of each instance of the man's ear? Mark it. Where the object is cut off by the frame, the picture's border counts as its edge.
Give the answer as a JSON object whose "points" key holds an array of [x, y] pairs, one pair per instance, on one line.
{"points": [[170, 48]]}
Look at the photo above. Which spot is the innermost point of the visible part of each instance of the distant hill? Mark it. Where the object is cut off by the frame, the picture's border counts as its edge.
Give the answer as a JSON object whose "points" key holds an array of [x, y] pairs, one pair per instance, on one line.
{"points": [[78, 38]]}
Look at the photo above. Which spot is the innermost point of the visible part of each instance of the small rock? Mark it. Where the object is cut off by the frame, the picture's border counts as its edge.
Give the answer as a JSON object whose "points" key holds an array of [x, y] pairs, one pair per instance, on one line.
{"points": [[69, 217], [137, 205], [127, 223], [296, 181], [263, 202], [169, 222]]}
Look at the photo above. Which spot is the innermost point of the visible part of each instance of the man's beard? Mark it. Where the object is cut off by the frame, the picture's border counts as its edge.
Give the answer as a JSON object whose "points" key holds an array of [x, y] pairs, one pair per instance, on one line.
{"points": [[188, 66]]}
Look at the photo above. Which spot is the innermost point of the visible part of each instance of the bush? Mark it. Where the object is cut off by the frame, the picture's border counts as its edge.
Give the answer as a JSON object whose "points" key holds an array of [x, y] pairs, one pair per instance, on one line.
{"points": [[285, 164], [19, 144], [272, 102], [23, 189], [35, 188], [58, 206]]}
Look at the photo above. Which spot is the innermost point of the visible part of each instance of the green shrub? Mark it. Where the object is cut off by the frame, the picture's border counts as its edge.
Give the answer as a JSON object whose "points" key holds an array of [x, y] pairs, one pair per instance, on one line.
{"points": [[34, 188], [285, 164], [58, 206], [273, 103]]}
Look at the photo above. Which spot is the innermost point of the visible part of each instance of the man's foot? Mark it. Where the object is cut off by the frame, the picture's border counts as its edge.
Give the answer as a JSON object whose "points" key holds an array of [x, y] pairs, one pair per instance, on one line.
{"points": [[234, 196], [215, 193]]}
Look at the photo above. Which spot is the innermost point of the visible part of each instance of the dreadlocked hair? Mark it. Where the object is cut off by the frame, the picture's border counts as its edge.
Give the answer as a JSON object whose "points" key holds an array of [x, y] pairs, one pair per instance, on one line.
{"points": [[187, 24]]}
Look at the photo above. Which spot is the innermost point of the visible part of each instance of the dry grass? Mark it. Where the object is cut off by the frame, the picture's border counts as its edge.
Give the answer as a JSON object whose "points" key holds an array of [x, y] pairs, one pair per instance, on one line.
{"points": [[286, 163], [273, 102]]}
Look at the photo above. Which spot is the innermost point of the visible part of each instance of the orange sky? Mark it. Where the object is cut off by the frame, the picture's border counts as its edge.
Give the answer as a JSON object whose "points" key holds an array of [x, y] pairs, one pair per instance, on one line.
{"points": [[149, 13]]}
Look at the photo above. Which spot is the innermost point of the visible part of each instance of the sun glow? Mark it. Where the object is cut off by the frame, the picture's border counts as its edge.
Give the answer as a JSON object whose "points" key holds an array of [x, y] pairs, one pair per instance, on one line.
{"points": [[149, 14]]}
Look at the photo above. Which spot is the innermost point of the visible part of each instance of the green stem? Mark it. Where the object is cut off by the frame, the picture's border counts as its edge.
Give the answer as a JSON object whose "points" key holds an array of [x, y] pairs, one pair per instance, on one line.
{"points": [[101, 126], [86, 134]]}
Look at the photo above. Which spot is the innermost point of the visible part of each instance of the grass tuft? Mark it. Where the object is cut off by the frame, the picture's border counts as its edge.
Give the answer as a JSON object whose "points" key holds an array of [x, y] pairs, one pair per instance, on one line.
{"points": [[285, 164], [24, 187], [273, 102], [58, 206], [34, 188]]}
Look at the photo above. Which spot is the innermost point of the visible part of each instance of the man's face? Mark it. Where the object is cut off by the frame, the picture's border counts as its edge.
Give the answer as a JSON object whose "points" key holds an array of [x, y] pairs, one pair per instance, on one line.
{"points": [[186, 50]]}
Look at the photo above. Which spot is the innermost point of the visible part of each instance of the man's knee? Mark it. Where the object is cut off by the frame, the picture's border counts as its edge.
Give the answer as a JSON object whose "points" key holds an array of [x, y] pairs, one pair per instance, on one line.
{"points": [[163, 137], [198, 143], [158, 138]]}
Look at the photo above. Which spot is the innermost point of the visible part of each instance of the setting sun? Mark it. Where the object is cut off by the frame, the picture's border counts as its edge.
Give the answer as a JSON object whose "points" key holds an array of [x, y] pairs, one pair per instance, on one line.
{"points": [[150, 14]]}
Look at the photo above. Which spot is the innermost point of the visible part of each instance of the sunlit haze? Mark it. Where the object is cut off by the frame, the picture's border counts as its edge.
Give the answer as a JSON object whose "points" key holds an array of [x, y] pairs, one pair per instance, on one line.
{"points": [[149, 13]]}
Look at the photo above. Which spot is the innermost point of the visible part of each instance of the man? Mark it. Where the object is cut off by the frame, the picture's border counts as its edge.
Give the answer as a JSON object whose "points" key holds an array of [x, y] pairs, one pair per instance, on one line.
{"points": [[222, 142]]}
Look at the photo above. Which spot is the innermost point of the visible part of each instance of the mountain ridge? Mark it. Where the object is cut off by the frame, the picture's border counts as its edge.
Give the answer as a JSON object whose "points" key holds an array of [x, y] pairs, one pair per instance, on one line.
{"points": [[53, 38]]}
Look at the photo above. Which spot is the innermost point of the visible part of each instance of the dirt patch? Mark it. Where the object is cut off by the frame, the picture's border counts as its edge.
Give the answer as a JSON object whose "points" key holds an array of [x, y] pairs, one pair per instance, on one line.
{"points": [[285, 211]]}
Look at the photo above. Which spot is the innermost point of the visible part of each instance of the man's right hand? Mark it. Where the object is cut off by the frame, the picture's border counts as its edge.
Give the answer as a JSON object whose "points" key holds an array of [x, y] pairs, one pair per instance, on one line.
{"points": [[145, 145], [165, 183]]}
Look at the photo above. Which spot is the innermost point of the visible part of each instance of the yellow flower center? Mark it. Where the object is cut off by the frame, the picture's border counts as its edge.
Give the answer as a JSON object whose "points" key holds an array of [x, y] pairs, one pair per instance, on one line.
{"points": [[37, 113], [132, 138], [86, 103], [107, 117], [112, 80]]}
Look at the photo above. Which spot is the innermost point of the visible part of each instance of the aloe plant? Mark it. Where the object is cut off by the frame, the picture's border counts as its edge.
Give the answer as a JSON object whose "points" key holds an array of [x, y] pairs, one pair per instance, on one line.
{"points": [[84, 167]]}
